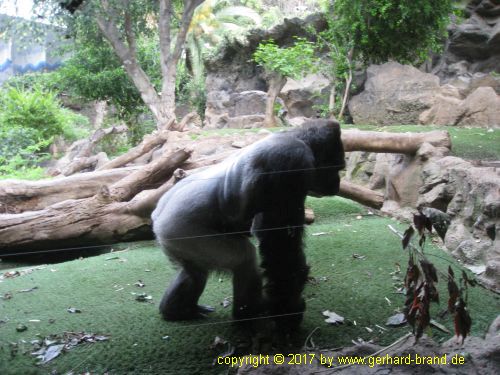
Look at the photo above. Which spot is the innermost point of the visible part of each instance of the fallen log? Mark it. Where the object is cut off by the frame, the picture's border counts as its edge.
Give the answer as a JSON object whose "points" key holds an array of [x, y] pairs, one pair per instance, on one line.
{"points": [[362, 195], [399, 143], [79, 164], [102, 219], [19, 195], [149, 142]]}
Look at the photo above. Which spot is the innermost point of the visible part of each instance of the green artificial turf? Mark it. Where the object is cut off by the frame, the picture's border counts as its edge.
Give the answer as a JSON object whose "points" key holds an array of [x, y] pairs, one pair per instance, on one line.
{"points": [[102, 288]]}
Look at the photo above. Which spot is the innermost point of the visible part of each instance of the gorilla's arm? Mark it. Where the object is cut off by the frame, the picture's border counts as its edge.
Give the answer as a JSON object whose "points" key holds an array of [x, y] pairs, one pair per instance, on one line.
{"points": [[279, 229]]}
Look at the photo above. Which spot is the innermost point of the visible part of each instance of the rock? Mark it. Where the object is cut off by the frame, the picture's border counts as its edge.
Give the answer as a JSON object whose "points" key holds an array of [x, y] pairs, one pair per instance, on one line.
{"points": [[300, 97], [470, 39], [394, 94], [246, 122], [470, 196], [474, 43], [480, 108], [248, 103]]}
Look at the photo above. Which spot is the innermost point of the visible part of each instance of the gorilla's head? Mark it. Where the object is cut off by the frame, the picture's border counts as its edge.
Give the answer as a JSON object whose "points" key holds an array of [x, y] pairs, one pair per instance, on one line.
{"points": [[323, 137]]}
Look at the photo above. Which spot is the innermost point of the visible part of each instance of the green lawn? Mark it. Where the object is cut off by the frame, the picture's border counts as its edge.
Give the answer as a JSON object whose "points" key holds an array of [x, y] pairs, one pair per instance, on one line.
{"points": [[102, 288]]}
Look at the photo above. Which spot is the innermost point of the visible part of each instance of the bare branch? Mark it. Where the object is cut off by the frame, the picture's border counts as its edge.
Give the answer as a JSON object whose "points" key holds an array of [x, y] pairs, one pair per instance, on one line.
{"points": [[164, 19], [187, 16]]}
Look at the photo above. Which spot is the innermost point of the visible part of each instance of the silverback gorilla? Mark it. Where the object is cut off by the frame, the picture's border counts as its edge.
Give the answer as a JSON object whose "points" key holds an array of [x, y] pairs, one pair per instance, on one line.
{"points": [[204, 223]]}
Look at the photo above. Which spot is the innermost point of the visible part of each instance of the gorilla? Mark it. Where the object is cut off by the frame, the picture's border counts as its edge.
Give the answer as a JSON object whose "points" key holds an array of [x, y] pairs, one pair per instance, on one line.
{"points": [[204, 222]]}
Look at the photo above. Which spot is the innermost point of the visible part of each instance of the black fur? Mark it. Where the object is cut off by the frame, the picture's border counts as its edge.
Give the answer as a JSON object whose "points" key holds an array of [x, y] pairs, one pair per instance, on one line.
{"points": [[204, 221]]}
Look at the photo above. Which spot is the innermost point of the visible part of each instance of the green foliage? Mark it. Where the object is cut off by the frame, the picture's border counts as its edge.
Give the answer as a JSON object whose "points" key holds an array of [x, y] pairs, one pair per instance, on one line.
{"points": [[379, 30], [94, 72], [290, 62], [39, 110], [28, 124]]}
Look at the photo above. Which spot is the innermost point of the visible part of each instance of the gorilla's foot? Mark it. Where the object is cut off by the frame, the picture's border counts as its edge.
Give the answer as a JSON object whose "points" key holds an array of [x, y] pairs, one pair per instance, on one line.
{"points": [[196, 312]]}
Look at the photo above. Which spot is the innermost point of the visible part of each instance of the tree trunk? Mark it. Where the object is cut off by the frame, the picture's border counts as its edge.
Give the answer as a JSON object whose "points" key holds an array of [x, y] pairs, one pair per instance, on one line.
{"points": [[362, 195], [276, 83], [101, 219], [331, 101], [348, 81], [399, 143]]}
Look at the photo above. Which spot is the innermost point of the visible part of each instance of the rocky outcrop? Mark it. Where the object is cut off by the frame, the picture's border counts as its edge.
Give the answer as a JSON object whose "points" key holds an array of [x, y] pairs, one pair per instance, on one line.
{"points": [[471, 197], [394, 94], [400, 94], [468, 195], [477, 39], [236, 87], [481, 107]]}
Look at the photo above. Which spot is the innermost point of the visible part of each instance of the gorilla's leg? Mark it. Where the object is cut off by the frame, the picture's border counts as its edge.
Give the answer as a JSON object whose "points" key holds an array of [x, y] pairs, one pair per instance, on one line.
{"points": [[180, 300], [247, 284], [200, 254]]}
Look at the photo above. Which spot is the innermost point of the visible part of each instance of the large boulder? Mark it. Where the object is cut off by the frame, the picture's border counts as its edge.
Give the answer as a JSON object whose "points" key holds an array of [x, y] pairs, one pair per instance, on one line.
{"points": [[303, 97], [480, 108], [394, 94]]}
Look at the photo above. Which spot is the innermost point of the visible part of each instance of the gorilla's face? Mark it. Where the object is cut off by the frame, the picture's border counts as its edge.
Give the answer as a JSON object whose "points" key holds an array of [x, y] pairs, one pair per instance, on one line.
{"points": [[326, 181]]}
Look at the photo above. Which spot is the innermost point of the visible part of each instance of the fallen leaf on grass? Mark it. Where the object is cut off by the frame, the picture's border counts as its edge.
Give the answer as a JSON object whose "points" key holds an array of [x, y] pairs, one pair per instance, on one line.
{"points": [[6, 296], [50, 353], [53, 345], [143, 297], [333, 318], [27, 290], [396, 320], [439, 326], [226, 302], [21, 328], [140, 284]]}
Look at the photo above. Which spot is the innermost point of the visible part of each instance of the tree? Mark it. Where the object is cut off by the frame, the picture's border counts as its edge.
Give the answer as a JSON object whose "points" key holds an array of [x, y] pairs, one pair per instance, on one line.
{"points": [[123, 23], [280, 64], [375, 31]]}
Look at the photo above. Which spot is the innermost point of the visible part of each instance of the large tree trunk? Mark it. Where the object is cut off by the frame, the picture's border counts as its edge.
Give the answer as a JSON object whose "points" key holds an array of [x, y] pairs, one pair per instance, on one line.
{"points": [[104, 218], [123, 42], [276, 83], [18, 196], [399, 143]]}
